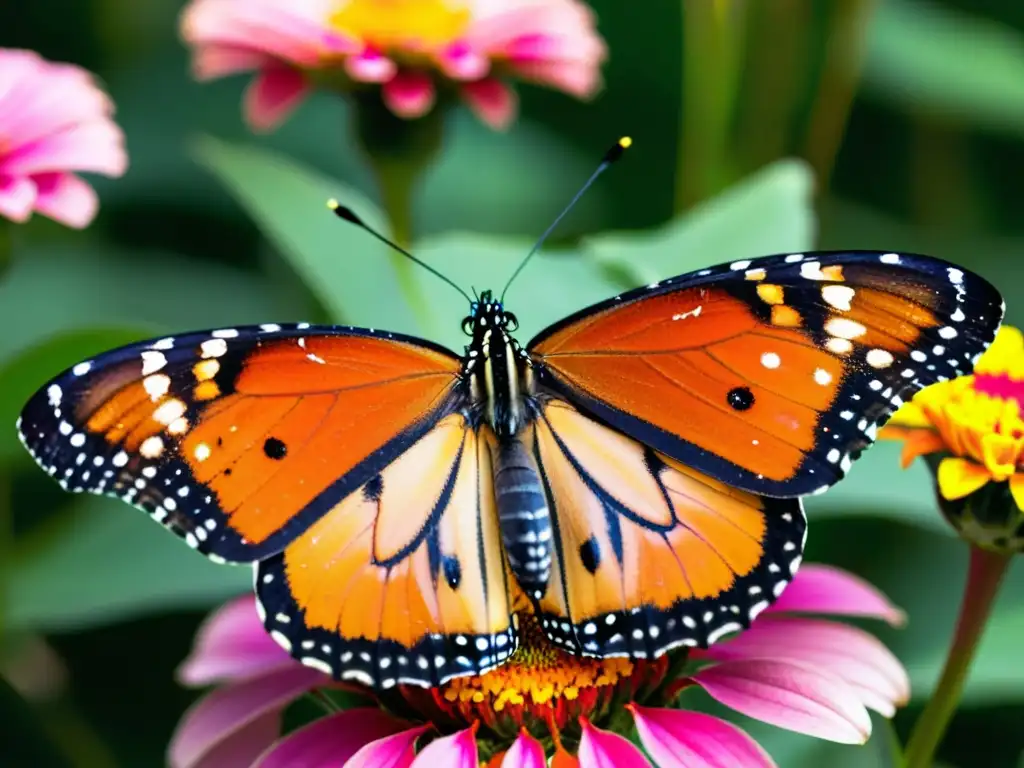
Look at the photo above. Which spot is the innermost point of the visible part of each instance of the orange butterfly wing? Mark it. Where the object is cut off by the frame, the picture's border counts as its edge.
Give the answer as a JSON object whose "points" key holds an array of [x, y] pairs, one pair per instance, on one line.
{"points": [[650, 554], [403, 580], [240, 439], [771, 375]]}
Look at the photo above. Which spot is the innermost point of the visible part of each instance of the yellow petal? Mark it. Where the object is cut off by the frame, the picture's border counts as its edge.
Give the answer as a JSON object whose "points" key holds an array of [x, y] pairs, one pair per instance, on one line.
{"points": [[920, 442], [1017, 490], [908, 415], [959, 478], [1000, 455], [1005, 350]]}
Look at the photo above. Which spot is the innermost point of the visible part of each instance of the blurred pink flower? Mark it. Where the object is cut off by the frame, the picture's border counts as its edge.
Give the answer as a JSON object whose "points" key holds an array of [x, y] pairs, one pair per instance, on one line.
{"points": [[814, 676], [54, 119], [403, 45]]}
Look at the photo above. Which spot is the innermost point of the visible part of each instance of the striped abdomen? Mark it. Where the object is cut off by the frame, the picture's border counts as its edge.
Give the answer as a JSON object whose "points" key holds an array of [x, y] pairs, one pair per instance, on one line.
{"points": [[523, 516]]}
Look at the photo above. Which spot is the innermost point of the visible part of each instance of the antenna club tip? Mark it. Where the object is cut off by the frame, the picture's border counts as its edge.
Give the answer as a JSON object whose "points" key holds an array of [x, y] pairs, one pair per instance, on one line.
{"points": [[333, 204], [617, 149]]}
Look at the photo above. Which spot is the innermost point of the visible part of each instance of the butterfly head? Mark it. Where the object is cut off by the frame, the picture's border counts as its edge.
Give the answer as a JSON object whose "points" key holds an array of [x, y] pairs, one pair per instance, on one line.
{"points": [[488, 312]]}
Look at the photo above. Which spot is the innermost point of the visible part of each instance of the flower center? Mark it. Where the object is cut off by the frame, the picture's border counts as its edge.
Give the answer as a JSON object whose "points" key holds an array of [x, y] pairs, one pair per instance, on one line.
{"points": [[537, 674], [384, 24]]}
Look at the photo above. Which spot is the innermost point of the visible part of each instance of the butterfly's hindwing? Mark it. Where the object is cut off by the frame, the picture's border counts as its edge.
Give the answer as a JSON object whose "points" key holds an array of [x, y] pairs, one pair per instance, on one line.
{"points": [[403, 581], [649, 554]]}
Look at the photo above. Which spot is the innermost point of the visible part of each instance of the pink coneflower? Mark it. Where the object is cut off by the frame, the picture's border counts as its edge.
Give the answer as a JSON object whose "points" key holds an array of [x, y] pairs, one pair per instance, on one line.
{"points": [[54, 120], [407, 47], [814, 676]]}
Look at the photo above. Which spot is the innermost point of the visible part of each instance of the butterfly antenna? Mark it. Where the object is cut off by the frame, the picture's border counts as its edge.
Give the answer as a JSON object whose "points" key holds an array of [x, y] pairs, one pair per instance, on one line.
{"points": [[610, 157], [347, 214]]}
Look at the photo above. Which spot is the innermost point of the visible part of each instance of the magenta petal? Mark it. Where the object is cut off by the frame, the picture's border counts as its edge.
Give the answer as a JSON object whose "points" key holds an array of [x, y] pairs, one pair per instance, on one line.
{"points": [[492, 101], [409, 94], [525, 752], [460, 62], [397, 751], [858, 658], [245, 745], [224, 711], [17, 197], [66, 198], [825, 589], [680, 739], [330, 741], [370, 67], [604, 749], [455, 751], [232, 645], [793, 696], [272, 95]]}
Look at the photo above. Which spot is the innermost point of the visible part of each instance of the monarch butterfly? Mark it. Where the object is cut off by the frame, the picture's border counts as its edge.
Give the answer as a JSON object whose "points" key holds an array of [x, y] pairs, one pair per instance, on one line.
{"points": [[634, 472]]}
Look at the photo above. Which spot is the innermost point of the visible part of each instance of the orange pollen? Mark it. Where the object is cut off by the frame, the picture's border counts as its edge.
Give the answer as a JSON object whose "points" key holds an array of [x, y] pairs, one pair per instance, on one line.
{"points": [[537, 673], [409, 24]]}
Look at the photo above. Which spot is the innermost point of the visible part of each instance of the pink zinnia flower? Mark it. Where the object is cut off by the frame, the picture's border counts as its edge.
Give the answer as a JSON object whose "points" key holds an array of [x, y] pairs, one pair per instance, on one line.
{"points": [[814, 676], [403, 45], [54, 119]]}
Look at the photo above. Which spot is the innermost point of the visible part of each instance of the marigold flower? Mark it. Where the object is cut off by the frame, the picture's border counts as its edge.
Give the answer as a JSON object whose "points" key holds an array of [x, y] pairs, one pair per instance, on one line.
{"points": [[405, 46], [814, 676], [972, 432], [54, 119]]}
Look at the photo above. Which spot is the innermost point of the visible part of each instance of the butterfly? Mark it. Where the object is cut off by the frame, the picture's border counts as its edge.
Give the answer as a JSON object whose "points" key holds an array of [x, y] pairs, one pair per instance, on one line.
{"points": [[633, 473]]}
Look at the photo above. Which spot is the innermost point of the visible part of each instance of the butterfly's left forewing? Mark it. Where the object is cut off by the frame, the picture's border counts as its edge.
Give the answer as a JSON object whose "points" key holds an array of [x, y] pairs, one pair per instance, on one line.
{"points": [[238, 440], [773, 374], [648, 553]]}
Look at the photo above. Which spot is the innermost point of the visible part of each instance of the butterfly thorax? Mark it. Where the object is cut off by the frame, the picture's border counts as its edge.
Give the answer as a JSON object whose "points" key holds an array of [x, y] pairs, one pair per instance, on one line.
{"points": [[497, 369]]}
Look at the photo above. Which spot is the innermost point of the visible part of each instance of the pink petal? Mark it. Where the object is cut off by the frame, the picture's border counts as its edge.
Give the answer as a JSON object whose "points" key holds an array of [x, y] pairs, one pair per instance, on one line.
{"points": [[680, 739], [460, 62], [525, 752], [492, 101], [825, 589], [330, 741], [604, 749], [216, 61], [396, 751], [273, 95], [793, 696], [455, 751], [17, 197], [54, 97], [66, 198], [409, 94], [233, 645], [296, 32], [858, 658], [245, 745], [97, 146], [370, 67], [226, 710]]}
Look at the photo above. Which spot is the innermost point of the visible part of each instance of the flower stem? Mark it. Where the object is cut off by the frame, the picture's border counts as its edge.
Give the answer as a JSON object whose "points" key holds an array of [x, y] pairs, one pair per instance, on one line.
{"points": [[399, 151], [984, 575]]}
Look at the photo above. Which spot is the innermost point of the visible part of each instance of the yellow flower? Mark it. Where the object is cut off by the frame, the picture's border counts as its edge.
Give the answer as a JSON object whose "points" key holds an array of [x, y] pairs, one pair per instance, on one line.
{"points": [[971, 431]]}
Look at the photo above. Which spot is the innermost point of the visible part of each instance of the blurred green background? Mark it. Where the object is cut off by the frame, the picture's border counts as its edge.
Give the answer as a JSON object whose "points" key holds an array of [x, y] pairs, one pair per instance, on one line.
{"points": [[759, 126]]}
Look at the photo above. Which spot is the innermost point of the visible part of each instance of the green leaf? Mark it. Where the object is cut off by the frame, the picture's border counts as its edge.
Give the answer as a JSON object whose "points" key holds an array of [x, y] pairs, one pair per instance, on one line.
{"points": [[52, 290], [351, 273], [770, 212], [107, 562], [22, 375], [930, 57]]}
